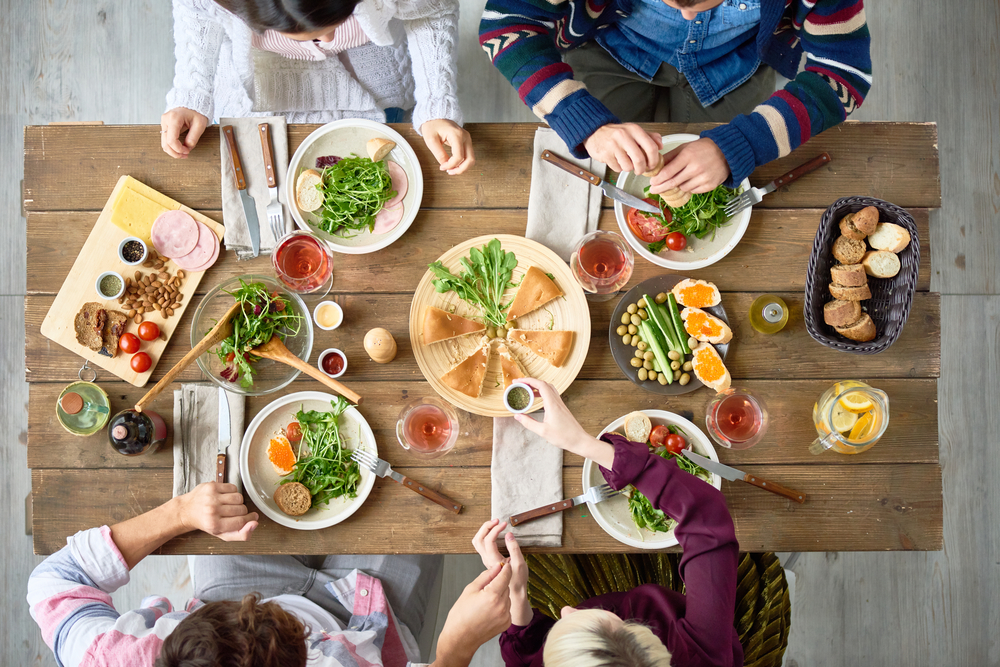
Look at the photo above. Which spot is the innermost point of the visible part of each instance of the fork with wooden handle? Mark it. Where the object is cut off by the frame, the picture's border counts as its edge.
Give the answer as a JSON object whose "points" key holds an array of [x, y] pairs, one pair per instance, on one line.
{"points": [[275, 350], [382, 468]]}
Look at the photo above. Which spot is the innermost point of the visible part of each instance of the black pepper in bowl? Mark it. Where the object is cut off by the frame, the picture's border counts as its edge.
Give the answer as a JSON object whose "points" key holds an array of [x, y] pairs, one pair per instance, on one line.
{"points": [[132, 251]]}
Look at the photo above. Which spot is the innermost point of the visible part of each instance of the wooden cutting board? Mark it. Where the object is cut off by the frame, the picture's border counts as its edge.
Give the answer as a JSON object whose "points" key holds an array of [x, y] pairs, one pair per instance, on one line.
{"points": [[100, 254]]}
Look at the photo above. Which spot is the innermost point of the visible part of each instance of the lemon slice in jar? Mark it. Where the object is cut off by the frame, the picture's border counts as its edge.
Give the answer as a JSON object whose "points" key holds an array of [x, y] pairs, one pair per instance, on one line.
{"points": [[842, 420], [856, 401], [863, 428]]}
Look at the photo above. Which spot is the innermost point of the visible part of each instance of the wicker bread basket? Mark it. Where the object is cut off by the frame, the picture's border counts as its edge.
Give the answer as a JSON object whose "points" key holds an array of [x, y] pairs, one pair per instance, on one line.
{"points": [[891, 297]]}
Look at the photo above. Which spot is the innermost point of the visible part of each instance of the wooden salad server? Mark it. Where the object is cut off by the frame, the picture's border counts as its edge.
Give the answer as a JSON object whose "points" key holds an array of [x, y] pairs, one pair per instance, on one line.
{"points": [[222, 330], [275, 350]]}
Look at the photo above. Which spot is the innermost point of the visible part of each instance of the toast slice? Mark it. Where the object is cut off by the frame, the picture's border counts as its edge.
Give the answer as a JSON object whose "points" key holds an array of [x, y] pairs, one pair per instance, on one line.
{"points": [[307, 196], [848, 251], [841, 313], [705, 327], [880, 263], [696, 293], [553, 346], [708, 368], [89, 325], [890, 237], [467, 376], [510, 366], [849, 275], [844, 293], [861, 331], [536, 290], [293, 499], [441, 325], [113, 330]]}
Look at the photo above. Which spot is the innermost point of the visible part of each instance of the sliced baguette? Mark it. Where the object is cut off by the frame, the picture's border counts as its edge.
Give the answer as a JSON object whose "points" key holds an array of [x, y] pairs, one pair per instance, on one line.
{"points": [[861, 331], [880, 264], [637, 427], [696, 293], [706, 327], [866, 220], [841, 313], [708, 368], [850, 293], [848, 229], [890, 237], [293, 499], [379, 147], [849, 275], [307, 196], [848, 251]]}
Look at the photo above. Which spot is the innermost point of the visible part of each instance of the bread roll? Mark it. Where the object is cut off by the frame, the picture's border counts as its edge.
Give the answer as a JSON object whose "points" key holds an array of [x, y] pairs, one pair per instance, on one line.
{"points": [[889, 237], [880, 264], [841, 313], [866, 220], [848, 229], [849, 275]]}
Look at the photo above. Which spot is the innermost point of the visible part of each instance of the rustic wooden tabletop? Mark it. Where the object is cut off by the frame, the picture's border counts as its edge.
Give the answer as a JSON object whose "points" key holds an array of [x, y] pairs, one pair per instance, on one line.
{"points": [[884, 499]]}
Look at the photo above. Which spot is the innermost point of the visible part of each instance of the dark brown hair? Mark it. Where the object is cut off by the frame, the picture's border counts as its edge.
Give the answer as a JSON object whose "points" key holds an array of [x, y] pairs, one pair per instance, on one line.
{"points": [[291, 16], [236, 634]]}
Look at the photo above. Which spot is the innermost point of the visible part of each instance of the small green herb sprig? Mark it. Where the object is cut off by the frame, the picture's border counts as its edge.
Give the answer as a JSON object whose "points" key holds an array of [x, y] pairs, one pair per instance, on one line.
{"points": [[486, 276], [354, 191]]}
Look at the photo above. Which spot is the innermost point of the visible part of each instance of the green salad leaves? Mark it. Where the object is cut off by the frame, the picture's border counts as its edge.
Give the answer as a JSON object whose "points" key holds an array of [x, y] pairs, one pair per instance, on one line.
{"points": [[703, 214], [643, 513], [486, 276], [322, 463], [354, 190]]}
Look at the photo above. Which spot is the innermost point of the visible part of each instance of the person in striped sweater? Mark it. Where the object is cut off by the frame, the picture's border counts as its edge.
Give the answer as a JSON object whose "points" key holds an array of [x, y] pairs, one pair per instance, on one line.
{"points": [[593, 68]]}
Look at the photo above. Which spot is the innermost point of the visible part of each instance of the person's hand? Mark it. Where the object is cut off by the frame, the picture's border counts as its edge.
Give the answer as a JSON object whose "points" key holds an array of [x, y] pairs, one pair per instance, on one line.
{"points": [[440, 133], [625, 147], [559, 427], [217, 508], [173, 123], [485, 543], [697, 166], [480, 613]]}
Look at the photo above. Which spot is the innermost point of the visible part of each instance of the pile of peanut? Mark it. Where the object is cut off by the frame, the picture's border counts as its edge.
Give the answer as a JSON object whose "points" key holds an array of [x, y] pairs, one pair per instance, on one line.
{"points": [[158, 291]]}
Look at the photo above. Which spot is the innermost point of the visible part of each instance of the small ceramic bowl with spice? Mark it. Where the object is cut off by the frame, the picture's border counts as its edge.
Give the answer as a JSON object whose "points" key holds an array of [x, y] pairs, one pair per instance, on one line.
{"points": [[518, 397], [132, 250], [109, 285], [333, 362], [328, 315]]}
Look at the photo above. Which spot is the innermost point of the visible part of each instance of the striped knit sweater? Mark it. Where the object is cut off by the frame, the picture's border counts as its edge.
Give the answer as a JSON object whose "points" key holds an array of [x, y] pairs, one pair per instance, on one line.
{"points": [[524, 39]]}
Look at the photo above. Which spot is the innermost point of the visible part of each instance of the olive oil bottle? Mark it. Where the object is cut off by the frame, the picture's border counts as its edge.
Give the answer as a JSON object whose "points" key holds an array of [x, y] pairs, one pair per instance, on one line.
{"points": [[768, 314]]}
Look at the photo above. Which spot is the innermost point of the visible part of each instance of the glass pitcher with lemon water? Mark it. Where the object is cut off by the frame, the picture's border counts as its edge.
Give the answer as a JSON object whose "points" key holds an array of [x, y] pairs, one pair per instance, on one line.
{"points": [[850, 417]]}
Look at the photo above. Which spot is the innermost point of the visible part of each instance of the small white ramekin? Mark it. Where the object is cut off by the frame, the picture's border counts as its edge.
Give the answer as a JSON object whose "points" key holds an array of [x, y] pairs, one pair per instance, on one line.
{"points": [[107, 297], [531, 397], [336, 306], [145, 250], [329, 351]]}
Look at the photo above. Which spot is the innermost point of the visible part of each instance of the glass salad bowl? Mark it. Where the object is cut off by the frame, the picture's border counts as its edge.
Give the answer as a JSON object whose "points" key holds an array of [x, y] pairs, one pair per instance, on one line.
{"points": [[269, 376]]}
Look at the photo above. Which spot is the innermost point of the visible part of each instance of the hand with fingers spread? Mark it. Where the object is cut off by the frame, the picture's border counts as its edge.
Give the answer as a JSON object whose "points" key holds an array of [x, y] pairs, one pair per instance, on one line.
{"points": [[217, 508], [173, 123], [625, 147], [697, 166], [440, 133], [485, 543], [480, 613]]}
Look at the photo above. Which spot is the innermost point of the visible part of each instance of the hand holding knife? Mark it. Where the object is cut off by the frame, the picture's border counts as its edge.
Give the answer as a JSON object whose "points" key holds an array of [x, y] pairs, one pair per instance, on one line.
{"points": [[610, 190]]}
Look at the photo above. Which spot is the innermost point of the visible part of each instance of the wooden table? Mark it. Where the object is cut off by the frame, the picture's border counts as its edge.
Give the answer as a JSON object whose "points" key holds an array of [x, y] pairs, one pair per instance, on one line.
{"points": [[887, 498]]}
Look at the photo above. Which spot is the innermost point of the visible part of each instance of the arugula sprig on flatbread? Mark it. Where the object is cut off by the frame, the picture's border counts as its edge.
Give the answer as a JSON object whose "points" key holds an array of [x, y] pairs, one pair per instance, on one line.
{"points": [[486, 275]]}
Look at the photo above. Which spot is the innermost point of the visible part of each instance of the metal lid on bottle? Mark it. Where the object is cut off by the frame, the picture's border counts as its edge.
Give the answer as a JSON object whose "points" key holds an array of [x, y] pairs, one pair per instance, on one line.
{"points": [[772, 312]]}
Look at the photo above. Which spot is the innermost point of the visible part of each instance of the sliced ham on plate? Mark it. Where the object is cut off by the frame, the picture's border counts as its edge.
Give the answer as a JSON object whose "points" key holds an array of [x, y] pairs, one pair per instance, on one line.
{"points": [[387, 219], [399, 182], [205, 251], [175, 234]]}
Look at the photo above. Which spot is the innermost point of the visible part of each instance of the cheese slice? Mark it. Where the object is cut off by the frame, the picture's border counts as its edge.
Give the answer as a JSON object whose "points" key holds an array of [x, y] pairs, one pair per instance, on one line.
{"points": [[467, 376], [135, 213]]}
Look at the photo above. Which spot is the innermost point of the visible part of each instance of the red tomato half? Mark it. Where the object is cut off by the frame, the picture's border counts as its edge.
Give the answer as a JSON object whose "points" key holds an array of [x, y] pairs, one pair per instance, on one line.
{"points": [[293, 432], [129, 343], [149, 331], [647, 227], [676, 241], [675, 443], [141, 362], [658, 435]]}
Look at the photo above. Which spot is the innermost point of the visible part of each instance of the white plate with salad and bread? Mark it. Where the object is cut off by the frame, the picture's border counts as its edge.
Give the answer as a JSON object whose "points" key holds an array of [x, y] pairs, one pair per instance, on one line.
{"points": [[629, 517], [355, 183], [693, 231]]}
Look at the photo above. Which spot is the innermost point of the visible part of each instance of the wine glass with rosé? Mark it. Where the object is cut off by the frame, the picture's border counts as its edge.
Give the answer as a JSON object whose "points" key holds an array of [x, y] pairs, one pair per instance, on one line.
{"points": [[736, 419], [303, 263], [602, 263], [427, 427]]}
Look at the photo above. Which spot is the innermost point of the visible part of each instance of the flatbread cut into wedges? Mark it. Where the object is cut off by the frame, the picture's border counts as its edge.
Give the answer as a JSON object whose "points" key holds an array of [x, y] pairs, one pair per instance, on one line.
{"points": [[553, 346], [536, 290], [441, 325], [467, 376], [510, 366]]}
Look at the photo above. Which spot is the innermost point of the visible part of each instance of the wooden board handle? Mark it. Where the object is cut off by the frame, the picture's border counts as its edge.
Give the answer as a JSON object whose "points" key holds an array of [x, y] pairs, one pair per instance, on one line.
{"points": [[762, 483], [432, 495], [234, 153], [220, 468], [801, 170], [549, 156], [265, 145], [539, 512]]}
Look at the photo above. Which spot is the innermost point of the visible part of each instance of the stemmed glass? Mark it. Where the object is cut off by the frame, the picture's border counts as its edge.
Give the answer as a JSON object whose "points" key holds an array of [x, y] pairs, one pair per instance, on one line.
{"points": [[602, 263], [303, 263]]}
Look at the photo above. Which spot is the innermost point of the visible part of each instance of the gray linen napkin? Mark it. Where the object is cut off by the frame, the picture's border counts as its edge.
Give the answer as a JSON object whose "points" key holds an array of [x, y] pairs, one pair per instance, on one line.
{"points": [[196, 436], [526, 471], [252, 158]]}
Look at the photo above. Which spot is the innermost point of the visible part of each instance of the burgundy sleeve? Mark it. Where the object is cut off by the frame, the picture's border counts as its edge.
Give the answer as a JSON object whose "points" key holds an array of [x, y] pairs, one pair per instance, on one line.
{"points": [[706, 534], [521, 645]]}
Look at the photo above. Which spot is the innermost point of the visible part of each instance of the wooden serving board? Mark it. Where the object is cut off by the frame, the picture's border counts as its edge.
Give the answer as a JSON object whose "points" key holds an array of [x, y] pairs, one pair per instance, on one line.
{"points": [[567, 313], [100, 254]]}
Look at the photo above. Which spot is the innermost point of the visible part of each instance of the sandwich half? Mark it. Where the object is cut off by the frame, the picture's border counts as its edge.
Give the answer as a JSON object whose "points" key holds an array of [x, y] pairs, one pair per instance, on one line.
{"points": [[467, 376], [510, 366], [441, 325], [536, 290], [553, 346]]}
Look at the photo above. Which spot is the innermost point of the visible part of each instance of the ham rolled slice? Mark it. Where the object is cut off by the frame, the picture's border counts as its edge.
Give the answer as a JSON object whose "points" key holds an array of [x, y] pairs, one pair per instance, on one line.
{"points": [[387, 219], [175, 234], [399, 183], [205, 251]]}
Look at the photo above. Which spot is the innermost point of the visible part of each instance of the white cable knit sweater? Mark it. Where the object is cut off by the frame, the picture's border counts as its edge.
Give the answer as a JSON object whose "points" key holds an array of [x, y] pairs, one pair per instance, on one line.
{"points": [[411, 55]]}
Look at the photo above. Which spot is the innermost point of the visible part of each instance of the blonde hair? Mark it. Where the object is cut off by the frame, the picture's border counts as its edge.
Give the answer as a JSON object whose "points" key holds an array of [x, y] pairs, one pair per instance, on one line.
{"points": [[592, 638]]}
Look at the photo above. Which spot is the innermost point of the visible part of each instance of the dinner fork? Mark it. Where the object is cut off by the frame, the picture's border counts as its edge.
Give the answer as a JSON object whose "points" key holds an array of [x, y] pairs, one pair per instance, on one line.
{"points": [[275, 212], [382, 468], [594, 494], [754, 195]]}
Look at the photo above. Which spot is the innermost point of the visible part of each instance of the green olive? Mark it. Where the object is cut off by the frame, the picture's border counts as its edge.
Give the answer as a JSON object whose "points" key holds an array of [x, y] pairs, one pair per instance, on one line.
{"points": [[647, 364], [627, 339], [661, 378], [688, 366], [491, 331], [632, 329], [622, 329], [673, 355], [512, 323], [638, 354], [643, 374], [632, 308], [675, 365], [652, 375], [641, 303], [660, 298], [636, 363], [635, 341], [677, 375], [648, 356], [501, 332], [626, 318], [643, 314], [684, 379], [636, 320], [693, 342], [642, 345]]}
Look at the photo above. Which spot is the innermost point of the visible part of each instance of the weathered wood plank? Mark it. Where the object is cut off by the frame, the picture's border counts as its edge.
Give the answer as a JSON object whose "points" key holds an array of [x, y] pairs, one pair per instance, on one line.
{"points": [[791, 354], [772, 256], [860, 508], [72, 168], [911, 437]]}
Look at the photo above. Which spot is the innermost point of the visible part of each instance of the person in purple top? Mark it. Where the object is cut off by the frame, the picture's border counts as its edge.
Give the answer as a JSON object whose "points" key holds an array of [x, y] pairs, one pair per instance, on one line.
{"points": [[648, 625]]}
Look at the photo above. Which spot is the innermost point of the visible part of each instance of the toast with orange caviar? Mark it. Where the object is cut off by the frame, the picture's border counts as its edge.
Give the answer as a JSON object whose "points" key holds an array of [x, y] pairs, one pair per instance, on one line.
{"points": [[708, 368], [705, 327], [696, 293]]}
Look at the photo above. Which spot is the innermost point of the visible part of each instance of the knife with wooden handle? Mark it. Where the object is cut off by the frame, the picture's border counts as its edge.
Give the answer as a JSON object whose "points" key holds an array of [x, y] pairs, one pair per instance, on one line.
{"points": [[732, 474]]}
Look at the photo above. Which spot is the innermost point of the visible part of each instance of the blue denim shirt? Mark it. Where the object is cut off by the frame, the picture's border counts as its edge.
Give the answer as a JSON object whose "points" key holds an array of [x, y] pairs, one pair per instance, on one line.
{"points": [[716, 52]]}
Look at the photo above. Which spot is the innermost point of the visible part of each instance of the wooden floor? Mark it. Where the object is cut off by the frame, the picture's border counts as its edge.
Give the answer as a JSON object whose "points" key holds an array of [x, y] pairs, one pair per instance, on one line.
{"points": [[112, 61]]}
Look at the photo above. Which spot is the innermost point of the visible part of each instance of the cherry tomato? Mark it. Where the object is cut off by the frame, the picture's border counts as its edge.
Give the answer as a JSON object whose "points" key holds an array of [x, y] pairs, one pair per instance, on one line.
{"points": [[141, 362], [658, 435], [647, 227], [230, 357], [293, 432], [676, 241], [129, 343], [675, 443], [149, 331]]}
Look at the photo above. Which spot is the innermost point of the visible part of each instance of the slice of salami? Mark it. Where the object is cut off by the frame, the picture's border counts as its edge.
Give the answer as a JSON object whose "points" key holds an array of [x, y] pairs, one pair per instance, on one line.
{"points": [[206, 246], [387, 219], [174, 234], [399, 183]]}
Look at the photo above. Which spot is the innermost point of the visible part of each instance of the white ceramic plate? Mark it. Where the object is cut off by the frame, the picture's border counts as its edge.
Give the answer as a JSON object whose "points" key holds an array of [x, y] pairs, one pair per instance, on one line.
{"points": [[699, 253], [612, 515], [343, 137], [261, 480]]}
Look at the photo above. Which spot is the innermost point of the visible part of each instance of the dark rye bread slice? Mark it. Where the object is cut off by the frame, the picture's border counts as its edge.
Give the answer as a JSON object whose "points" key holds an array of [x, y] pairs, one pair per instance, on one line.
{"points": [[843, 293], [849, 275], [841, 313], [849, 251], [113, 330], [861, 331], [293, 499]]}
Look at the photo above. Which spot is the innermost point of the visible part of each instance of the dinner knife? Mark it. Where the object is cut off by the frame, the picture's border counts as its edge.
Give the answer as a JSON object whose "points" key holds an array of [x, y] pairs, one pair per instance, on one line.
{"points": [[225, 436], [595, 494], [732, 474], [610, 190], [249, 205]]}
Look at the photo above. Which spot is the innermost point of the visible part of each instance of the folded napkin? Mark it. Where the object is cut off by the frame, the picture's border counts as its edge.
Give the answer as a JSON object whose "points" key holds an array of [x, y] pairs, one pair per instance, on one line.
{"points": [[526, 471], [252, 158], [196, 436]]}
